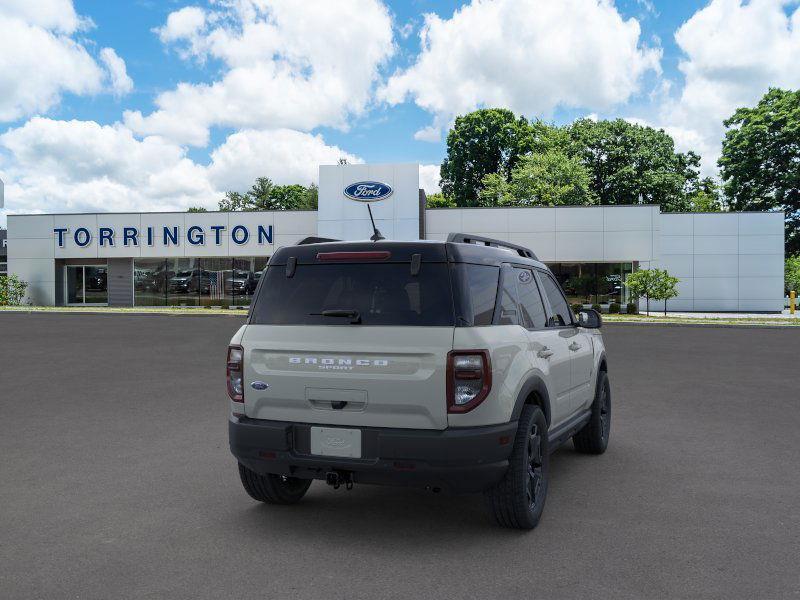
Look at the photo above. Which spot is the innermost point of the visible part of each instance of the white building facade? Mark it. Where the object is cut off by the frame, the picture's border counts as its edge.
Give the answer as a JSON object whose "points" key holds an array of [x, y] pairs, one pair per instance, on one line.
{"points": [[725, 261]]}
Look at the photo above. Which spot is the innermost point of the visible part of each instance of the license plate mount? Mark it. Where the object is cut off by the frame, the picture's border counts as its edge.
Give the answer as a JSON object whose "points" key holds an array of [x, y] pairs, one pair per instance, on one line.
{"points": [[335, 441]]}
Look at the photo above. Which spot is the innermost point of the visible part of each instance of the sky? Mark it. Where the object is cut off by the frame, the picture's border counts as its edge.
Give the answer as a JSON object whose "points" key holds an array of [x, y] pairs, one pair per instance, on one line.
{"points": [[139, 105]]}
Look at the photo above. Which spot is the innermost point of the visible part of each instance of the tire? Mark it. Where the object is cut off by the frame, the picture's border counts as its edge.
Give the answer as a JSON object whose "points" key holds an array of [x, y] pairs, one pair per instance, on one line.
{"points": [[273, 489], [518, 500], [593, 438]]}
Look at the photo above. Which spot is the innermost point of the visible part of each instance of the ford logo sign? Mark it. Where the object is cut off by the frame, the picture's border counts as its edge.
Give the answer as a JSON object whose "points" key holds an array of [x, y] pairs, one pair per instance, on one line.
{"points": [[368, 191]]}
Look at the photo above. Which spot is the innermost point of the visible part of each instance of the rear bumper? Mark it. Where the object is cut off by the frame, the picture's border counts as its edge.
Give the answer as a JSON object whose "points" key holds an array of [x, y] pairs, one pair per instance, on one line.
{"points": [[468, 459]]}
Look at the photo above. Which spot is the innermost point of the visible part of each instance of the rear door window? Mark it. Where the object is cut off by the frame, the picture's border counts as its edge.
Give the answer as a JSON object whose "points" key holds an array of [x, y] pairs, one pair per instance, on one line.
{"points": [[381, 293], [561, 314], [530, 300]]}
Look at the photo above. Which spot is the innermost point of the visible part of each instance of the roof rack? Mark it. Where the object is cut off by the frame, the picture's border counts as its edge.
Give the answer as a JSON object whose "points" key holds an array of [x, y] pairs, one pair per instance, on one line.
{"points": [[312, 239], [467, 238]]}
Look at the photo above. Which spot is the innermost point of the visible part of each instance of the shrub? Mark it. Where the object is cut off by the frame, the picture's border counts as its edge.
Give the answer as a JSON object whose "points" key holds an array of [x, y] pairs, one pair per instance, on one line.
{"points": [[576, 308], [12, 290], [597, 307], [614, 308], [632, 308]]}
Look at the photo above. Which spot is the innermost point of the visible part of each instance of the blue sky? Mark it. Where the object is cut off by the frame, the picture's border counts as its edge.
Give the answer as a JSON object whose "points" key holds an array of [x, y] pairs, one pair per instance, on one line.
{"points": [[127, 26], [145, 104]]}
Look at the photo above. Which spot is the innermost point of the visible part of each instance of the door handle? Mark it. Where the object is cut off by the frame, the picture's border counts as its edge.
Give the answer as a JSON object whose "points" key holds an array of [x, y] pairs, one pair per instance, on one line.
{"points": [[574, 346], [545, 352]]}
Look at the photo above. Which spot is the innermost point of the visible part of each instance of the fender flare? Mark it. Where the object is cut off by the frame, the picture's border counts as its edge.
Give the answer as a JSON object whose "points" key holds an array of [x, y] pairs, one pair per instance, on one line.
{"points": [[602, 361], [535, 383]]}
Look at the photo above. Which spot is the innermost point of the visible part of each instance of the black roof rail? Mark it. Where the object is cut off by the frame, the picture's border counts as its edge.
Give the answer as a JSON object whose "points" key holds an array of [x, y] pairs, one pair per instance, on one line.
{"points": [[312, 239], [468, 238]]}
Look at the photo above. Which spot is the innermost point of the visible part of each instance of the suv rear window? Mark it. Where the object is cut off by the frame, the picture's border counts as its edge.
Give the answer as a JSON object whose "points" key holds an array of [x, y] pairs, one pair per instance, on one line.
{"points": [[382, 293]]}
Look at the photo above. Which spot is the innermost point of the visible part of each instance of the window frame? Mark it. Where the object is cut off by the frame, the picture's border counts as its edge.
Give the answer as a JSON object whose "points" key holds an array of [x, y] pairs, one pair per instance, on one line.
{"points": [[459, 285], [543, 297], [548, 307], [498, 300]]}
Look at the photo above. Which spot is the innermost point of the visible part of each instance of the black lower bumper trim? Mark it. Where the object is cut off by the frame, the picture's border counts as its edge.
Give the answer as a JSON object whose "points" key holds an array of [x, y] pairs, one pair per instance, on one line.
{"points": [[467, 459]]}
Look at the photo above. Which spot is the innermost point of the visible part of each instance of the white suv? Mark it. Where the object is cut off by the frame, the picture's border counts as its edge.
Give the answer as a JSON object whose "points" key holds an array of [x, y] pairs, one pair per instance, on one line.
{"points": [[451, 365]]}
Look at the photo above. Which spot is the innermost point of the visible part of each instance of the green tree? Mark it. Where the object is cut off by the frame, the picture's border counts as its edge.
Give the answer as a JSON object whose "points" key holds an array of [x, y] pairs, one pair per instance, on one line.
{"points": [[643, 284], [312, 197], [265, 195], [666, 287], [234, 201], [197, 209], [495, 191], [439, 200], [706, 196], [288, 197], [485, 141], [260, 195], [549, 179], [760, 162], [791, 277], [12, 290], [626, 161]]}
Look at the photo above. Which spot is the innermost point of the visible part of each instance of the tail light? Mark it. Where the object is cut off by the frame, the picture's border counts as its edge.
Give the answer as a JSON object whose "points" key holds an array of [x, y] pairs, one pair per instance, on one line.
{"points": [[235, 372], [469, 379]]}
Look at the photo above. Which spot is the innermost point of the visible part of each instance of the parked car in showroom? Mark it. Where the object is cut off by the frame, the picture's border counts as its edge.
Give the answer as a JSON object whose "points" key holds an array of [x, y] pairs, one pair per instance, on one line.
{"points": [[190, 281], [241, 282]]}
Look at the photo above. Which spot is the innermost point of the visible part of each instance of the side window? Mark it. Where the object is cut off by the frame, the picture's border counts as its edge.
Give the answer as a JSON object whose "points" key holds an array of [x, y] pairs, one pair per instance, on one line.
{"points": [[482, 291], [530, 300], [507, 298], [561, 312], [474, 293]]}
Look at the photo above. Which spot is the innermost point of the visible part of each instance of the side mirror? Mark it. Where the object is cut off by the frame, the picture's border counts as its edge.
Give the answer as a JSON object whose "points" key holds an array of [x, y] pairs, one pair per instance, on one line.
{"points": [[589, 318]]}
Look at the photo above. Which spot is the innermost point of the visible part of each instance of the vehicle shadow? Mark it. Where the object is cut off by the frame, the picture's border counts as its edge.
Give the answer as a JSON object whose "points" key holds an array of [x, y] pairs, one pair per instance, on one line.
{"points": [[389, 514]]}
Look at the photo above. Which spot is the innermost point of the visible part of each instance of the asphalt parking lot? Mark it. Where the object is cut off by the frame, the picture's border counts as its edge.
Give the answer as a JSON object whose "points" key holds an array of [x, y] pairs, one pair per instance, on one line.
{"points": [[116, 481]]}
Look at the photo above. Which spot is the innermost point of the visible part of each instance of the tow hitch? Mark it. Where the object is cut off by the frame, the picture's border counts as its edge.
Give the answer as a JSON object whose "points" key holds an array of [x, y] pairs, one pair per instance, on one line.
{"points": [[339, 478]]}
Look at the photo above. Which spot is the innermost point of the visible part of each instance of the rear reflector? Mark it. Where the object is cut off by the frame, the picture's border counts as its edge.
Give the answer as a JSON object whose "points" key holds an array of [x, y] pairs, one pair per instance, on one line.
{"points": [[368, 255]]}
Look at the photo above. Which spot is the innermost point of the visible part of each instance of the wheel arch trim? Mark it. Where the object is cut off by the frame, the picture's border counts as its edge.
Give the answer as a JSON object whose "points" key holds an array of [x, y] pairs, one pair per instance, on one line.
{"points": [[533, 385]]}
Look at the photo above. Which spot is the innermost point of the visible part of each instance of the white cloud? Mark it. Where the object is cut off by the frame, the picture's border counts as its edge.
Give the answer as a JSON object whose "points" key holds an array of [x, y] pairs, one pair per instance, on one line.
{"points": [[283, 155], [58, 15], [429, 178], [287, 64], [81, 166], [183, 24], [41, 58], [734, 51], [528, 55], [121, 83]]}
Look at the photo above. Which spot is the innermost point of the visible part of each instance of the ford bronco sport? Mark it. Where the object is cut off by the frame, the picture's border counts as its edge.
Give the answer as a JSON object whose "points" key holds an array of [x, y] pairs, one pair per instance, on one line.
{"points": [[453, 365]]}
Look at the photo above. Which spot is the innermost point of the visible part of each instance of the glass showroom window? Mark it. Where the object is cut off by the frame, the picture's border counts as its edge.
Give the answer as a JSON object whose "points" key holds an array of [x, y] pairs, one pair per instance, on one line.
{"points": [[186, 281], [593, 283], [150, 282], [578, 280], [197, 281], [218, 271], [87, 284]]}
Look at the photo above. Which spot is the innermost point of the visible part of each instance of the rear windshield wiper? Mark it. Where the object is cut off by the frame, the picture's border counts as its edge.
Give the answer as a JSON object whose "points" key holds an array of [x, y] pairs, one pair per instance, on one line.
{"points": [[353, 315]]}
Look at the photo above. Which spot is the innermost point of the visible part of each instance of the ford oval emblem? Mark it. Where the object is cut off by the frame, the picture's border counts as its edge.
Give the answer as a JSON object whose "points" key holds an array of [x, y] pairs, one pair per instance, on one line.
{"points": [[368, 191], [259, 385]]}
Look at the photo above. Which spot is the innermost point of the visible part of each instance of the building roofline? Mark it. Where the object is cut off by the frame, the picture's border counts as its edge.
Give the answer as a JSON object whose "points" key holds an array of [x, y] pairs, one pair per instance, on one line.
{"points": [[162, 212]]}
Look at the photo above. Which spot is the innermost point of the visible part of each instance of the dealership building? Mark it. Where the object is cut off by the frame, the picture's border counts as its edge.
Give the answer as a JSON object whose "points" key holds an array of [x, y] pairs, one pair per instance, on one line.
{"points": [[724, 261]]}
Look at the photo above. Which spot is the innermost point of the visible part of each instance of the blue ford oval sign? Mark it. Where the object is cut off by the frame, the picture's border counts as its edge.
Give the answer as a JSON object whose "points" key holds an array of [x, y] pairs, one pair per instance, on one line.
{"points": [[368, 191]]}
